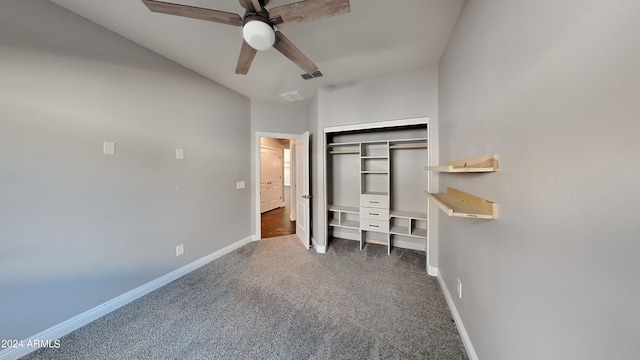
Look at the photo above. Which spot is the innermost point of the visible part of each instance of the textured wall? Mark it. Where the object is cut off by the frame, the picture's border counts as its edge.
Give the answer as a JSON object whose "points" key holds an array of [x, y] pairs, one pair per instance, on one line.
{"points": [[552, 87], [77, 227]]}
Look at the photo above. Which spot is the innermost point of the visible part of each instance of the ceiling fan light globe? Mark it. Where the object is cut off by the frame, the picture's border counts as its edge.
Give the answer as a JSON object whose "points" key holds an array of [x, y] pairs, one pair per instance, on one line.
{"points": [[258, 35]]}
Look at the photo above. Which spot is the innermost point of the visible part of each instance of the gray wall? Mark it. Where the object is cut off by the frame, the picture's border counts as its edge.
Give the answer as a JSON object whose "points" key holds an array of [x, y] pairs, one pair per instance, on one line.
{"points": [[77, 227], [278, 117], [408, 94], [552, 87]]}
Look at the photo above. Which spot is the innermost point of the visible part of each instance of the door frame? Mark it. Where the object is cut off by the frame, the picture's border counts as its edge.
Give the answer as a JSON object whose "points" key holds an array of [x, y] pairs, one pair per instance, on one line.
{"points": [[255, 189]]}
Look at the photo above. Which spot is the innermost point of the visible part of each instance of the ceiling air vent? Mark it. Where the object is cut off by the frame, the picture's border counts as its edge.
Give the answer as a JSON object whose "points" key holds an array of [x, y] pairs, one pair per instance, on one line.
{"points": [[316, 74], [292, 96]]}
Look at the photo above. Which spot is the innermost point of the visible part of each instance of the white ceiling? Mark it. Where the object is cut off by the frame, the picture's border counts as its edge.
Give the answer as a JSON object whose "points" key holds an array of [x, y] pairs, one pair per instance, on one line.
{"points": [[377, 37]]}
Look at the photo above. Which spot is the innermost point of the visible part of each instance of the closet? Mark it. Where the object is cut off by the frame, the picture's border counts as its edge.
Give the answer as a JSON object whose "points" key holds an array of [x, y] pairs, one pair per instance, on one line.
{"points": [[375, 183]]}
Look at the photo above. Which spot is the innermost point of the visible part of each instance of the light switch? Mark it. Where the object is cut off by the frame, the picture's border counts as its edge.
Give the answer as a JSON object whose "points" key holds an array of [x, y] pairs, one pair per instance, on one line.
{"points": [[179, 154], [109, 148], [240, 185]]}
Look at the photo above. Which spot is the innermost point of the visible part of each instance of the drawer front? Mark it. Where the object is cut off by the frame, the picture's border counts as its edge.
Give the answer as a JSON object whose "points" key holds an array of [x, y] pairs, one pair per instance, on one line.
{"points": [[374, 225], [374, 213], [376, 201]]}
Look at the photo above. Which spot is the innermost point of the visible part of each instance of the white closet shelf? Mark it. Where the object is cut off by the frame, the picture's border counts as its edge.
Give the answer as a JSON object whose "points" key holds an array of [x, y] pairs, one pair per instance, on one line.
{"points": [[408, 215], [345, 152], [374, 172], [462, 204], [418, 143], [480, 164], [344, 148], [345, 209], [348, 224], [377, 242], [342, 221], [404, 231], [375, 193], [353, 143]]}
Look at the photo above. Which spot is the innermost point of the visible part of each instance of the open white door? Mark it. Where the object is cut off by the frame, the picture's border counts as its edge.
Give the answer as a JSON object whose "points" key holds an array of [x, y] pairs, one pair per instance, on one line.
{"points": [[303, 208]]}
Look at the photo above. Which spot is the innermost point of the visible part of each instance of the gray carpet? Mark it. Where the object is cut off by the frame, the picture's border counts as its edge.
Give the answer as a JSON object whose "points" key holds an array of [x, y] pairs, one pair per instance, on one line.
{"points": [[273, 299]]}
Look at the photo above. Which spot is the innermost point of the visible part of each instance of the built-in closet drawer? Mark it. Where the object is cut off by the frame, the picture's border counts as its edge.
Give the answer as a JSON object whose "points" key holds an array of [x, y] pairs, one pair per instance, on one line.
{"points": [[374, 213], [376, 201], [374, 225]]}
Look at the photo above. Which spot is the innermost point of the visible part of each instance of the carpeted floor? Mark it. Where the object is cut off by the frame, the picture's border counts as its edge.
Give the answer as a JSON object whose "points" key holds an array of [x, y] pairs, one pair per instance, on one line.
{"points": [[273, 299]]}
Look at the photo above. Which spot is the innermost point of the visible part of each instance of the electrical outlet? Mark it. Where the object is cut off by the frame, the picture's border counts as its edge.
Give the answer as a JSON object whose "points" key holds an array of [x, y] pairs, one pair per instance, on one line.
{"points": [[179, 250], [459, 289]]}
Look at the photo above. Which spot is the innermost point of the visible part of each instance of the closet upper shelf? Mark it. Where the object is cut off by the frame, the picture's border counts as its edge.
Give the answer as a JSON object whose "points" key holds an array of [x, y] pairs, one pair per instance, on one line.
{"points": [[480, 164], [417, 143], [462, 204], [344, 148], [347, 147]]}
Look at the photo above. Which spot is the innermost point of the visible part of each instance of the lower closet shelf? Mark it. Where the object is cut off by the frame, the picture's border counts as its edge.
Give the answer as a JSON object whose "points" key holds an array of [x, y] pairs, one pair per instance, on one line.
{"points": [[462, 204]]}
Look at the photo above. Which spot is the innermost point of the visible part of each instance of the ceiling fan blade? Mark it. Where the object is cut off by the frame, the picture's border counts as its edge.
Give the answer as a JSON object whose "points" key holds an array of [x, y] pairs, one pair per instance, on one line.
{"points": [[247, 53], [194, 12], [307, 10], [286, 47], [255, 3]]}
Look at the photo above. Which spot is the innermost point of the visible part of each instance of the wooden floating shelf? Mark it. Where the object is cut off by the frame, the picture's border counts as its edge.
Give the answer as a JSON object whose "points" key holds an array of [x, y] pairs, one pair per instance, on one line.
{"points": [[462, 204], [480, 164]]}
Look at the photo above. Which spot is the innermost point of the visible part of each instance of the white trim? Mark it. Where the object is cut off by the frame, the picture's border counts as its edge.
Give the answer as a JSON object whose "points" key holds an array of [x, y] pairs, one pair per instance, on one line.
{"points": [[432, 270], [67, 326], [433, 179], [320, 249], [378, 124], [471, 352]]}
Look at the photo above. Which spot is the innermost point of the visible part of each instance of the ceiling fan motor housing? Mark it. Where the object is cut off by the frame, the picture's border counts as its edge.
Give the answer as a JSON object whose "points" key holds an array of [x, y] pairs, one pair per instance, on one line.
{"points": [[258, 32]]}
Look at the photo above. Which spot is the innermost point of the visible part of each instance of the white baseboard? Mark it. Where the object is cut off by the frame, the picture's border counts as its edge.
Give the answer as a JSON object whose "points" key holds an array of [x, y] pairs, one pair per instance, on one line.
{"points": [[255, 237], [65, 327], [432, 270], [471, 352], [320, 249]]}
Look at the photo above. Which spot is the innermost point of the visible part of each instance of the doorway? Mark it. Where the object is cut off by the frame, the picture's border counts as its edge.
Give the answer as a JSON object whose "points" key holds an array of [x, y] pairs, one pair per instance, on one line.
{"points": [[300, 198], [275, 188]]}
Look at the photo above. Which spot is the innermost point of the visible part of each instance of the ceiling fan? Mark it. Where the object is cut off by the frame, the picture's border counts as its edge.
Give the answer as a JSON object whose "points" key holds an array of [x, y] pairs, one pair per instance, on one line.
{"points": [[259, 26]]}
